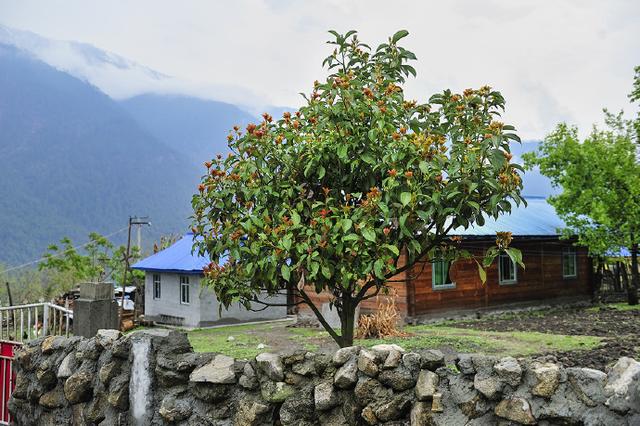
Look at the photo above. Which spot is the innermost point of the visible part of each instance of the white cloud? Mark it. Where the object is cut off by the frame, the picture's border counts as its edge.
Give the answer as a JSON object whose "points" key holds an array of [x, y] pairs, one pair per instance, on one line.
{"points": [[561, 60]]}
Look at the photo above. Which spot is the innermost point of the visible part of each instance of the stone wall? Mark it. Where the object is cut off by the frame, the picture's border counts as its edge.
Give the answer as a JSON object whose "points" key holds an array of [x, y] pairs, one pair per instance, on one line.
{"points": [[154, 378]]}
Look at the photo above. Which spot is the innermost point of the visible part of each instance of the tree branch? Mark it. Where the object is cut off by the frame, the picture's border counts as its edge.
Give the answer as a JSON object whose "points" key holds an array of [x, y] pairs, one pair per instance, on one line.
{"points": [[318, 314]]}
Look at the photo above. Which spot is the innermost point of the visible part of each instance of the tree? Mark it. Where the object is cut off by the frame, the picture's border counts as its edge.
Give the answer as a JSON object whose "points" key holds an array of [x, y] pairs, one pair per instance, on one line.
{"points": [[100, 260], [600, 181], [354, 187]]}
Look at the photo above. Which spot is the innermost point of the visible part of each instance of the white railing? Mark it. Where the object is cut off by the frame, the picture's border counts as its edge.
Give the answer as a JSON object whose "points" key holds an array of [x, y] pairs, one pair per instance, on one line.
{"points": [[26, 322]]}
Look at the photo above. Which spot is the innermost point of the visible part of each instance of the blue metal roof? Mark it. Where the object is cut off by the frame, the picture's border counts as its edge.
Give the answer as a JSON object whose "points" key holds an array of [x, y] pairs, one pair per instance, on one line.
{"points": [[177, 258], [537, 219]]}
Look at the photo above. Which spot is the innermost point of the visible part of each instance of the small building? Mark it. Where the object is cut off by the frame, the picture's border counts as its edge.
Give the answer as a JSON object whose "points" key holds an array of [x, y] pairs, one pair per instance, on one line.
{"points": [[555, 270], [174, 294]]}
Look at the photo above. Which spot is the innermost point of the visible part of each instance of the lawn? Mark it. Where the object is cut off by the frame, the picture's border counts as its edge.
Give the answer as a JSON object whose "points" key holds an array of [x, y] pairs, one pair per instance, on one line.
{"points": [[242, 341]]}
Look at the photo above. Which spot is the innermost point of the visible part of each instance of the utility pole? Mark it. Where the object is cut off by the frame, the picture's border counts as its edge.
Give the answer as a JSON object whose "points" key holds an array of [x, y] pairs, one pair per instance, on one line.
{"points": [[132, 221]]}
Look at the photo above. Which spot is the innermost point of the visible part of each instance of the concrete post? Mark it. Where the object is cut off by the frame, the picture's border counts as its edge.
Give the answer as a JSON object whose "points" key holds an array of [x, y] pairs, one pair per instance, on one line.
{"points": [[95, 309]]}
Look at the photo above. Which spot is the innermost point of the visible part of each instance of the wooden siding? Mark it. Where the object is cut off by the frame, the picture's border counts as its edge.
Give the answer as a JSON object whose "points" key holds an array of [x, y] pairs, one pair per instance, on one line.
{"points": [[540, 280]]}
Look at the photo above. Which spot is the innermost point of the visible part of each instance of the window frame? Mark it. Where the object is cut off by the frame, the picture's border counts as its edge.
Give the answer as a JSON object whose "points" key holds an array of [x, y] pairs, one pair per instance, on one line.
{"points": [[569, 251], [443, 286], [157, 286], [185, 282], [501, 279]]}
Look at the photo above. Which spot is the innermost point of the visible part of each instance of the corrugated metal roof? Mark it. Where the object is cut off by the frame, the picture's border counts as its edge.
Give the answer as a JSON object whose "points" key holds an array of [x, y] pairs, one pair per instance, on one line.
{"points": [[537, 219], [175, 258]]}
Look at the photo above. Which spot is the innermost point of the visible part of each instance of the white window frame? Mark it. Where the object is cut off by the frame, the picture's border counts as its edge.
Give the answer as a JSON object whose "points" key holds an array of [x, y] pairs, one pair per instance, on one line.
{"points": [[570, 252], [184, 283], [507, 281], [157, 286], [444, 286]]}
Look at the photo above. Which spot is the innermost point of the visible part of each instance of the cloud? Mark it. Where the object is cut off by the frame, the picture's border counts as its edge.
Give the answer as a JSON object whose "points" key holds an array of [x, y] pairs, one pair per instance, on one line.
{"points": [[553, 61]]}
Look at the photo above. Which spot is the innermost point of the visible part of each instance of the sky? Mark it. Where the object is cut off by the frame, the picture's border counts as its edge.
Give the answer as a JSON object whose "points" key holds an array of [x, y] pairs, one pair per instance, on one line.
{"points": [[552, 60]]}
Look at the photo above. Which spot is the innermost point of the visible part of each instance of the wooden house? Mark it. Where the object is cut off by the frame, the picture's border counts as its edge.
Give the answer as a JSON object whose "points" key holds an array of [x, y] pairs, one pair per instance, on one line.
{"points": [[555, 270]]}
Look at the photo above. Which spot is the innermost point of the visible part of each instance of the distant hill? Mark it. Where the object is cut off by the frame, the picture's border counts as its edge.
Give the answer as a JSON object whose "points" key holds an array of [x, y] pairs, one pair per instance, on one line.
{"points": [[198, 128], [72, 161]]}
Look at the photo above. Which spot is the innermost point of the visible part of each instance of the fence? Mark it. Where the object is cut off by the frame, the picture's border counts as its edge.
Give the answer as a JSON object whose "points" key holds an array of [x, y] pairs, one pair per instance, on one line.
{"points": [[20, 324]]}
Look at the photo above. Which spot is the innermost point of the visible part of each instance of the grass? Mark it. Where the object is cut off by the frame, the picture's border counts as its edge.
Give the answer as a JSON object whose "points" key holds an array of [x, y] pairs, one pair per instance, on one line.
{"points": [[277, 336], [622, 306]]}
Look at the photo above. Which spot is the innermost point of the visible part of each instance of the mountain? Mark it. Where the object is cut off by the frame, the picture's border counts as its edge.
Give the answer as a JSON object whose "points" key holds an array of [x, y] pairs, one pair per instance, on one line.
{"points": [[196, 127], [74, 161]]}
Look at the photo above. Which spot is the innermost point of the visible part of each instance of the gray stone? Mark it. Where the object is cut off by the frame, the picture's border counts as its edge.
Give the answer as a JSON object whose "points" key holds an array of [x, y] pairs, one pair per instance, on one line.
{"points": [[547, 379], [78, 387], [622, 385], [119, 392], [399, 379], [66, 366], [248, 380], [325, 396], [276, 391], [588, 384], [431, 359], [108, 371], [465, 364], [343, 355], [271, 365], [53, 399], [385, 348], [427, 385], [174, 410], [515, 409], [370, 390], [393, 360], [489, 386], [299, 409], [411, 361], [509, 370], [304, 368], [369, 416], [393, 409], [210, 392], [421, 414], [367, 363], [347, 375], [251, 412], [106, 337], [219, 371]]}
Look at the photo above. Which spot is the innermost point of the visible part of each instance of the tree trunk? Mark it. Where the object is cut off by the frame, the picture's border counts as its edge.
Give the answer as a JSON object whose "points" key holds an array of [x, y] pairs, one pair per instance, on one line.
{"points": [[616, 282], [347, 321], [632, 293], [625, 276], [597, 281]]}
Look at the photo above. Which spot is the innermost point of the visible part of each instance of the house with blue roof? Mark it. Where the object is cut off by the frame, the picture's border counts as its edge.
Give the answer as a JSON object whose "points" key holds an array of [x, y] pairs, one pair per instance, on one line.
{"points": [[556, 271], [174, 293]]}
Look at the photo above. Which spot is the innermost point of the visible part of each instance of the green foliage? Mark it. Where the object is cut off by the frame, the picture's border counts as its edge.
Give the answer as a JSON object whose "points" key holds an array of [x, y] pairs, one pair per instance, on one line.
{"points": [[600, 181], [99, 260], [330, 197]]}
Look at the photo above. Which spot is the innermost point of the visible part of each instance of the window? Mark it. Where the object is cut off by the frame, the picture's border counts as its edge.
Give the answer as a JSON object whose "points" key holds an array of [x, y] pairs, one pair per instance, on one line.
{"points": [[507, 271], [569, 265], [184, 290], [157, 290], [440, 275]]}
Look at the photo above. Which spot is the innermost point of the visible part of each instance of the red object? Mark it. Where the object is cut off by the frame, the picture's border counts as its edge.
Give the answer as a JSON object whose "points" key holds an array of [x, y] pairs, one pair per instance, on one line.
{"points": [[8, 377]]}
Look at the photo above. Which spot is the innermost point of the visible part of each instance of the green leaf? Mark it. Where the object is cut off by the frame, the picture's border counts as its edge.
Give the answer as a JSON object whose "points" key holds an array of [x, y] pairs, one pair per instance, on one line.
{"points": [[424, 167], [378, 268], [326, 272], [342, 152], [483, 273], [392, 248], [351, 237], [515, 255], [369, 234], [321, 172], [286, 272], [286, 242], [405, 198], [346, 224], [399, 35], [295, 218]]}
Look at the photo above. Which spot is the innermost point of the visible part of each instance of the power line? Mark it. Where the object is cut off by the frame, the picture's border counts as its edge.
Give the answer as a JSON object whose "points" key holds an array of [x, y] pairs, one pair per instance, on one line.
{"points": [[24, 265]]}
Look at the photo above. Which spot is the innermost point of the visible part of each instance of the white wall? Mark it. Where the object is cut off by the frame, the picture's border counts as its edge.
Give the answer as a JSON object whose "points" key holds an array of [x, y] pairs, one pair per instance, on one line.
{"points": [[203, 307]]}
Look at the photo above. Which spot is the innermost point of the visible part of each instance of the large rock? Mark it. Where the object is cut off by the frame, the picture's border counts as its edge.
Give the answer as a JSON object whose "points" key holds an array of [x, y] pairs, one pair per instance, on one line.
{"points": [[53, 399], [276, 391], [393, 360], [106, 337], [78, 387], [588, 384], [622, 385], [370, 390], [393, 409], [343, 355], [67, 366], [431, 359], [509, 370], [109, 371], [515, 409], [547, 379], [367, 363], [427, 385], [347, 375], [271, 365], [251, 412], [219, 371], [325, 396], [174, 410], [489, 386]]}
